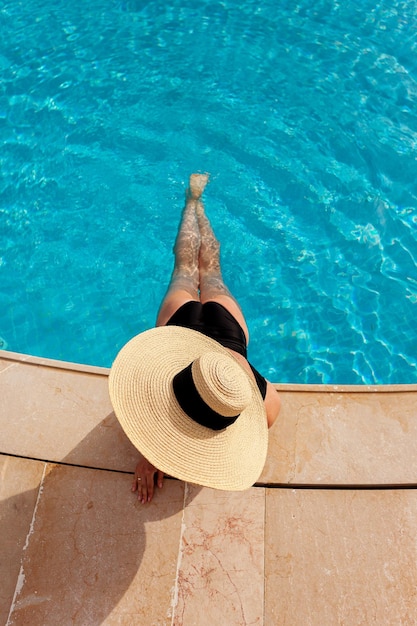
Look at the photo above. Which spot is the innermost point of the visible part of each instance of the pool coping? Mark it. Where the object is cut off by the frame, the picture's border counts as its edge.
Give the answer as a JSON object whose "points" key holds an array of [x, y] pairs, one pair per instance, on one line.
{"points": [[28, 359]]}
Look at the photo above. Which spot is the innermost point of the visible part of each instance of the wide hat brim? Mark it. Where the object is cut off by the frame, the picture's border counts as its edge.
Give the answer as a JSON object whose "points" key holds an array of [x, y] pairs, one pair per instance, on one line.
{"points": [[141, 392]]}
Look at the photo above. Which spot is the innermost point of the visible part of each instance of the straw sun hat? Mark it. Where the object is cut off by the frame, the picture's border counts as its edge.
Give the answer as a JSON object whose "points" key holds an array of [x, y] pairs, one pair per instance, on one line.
{"points": [[190, 408]]}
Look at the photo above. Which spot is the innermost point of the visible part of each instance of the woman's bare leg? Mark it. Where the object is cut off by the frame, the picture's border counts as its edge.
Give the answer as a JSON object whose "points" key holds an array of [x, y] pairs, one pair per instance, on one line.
{"points": [[184, 285], [212, 286]]}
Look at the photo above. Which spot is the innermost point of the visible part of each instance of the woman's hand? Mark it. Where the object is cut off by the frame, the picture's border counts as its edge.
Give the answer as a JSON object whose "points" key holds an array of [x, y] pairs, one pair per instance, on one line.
{"points": [[144, 481]]}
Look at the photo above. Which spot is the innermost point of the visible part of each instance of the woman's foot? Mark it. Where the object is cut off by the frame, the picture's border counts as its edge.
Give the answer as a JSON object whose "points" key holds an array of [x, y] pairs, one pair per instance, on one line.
{"points": [[197, 185]]}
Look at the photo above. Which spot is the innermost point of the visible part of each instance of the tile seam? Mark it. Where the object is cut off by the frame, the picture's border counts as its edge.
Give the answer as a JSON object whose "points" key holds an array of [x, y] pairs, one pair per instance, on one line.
{"points": [[21, 576], [339, 487], [174, 599], [259, 485], [6, 369]]}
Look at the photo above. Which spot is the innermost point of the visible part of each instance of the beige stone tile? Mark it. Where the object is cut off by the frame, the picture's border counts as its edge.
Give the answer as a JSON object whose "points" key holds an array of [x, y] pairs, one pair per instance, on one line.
{"points": [[96, 556], [220, 576], [4, 364], [61, 415], [19, 488], [344, 438], [341, 557]]}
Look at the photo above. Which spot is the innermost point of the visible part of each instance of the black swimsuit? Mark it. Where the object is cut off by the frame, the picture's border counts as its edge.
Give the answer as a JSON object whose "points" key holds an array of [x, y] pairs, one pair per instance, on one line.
{"points": [[215, 321]]}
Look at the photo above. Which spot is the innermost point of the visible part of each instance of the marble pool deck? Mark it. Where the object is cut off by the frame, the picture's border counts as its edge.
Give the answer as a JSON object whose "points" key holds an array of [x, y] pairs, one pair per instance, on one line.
{"points": [[328, 535]]}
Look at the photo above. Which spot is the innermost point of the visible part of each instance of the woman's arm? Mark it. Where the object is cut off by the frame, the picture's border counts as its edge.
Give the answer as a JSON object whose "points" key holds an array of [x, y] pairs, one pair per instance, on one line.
{"points": [[272, 404]]}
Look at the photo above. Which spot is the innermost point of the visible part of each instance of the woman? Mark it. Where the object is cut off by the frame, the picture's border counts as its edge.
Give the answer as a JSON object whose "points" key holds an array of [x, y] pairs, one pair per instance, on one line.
{"points": [[197, 299]]}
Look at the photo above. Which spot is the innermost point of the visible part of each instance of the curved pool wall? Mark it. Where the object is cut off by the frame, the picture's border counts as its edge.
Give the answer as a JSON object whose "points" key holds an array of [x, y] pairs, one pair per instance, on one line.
{"points": [[305, 115]]}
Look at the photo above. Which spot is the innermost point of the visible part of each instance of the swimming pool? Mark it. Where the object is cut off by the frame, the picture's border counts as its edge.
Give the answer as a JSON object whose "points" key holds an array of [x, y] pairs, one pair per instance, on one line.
{"points": [[305, 116]]}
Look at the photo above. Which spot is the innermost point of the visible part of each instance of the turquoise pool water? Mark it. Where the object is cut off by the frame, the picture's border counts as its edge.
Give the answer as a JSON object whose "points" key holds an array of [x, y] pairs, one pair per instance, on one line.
{"points": [[305, 115]]}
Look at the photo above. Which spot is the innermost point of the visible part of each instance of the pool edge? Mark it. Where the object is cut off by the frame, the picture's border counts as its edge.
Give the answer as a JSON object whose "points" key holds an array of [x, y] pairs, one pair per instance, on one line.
{"points": [[28, 359]]}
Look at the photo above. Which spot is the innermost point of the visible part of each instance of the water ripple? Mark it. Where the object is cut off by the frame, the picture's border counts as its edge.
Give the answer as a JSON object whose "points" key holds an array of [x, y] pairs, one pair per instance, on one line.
{"points": [[305, 115]]}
